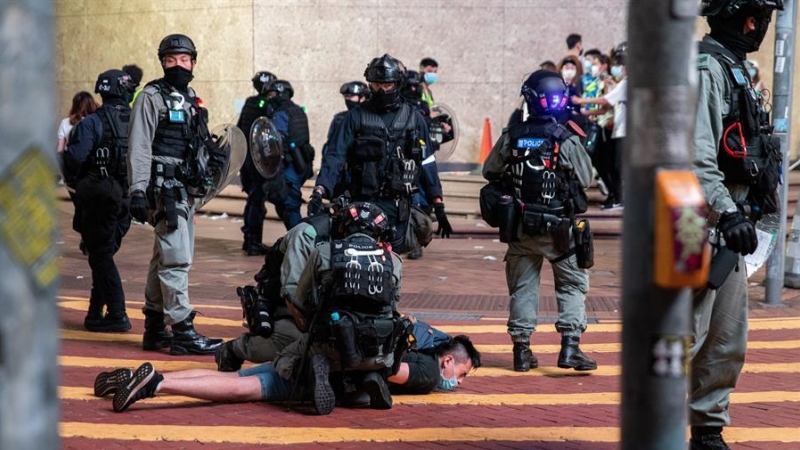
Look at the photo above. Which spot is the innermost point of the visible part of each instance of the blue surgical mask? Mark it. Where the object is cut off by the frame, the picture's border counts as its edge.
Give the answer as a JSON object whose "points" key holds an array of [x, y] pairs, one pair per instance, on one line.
{"points": [[431, 77], [448, 384], [587, 66], [752, 72], [616, 71]]}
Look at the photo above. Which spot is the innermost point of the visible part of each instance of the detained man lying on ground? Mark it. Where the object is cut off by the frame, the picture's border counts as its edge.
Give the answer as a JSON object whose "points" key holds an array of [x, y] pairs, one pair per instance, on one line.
{"points": [[437, 362]]}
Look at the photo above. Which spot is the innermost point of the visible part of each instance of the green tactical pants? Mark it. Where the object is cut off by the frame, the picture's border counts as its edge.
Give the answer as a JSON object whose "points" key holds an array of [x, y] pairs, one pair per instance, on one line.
{"points": [[523, 273], [719, 328], [257, 349], [167, 287]]}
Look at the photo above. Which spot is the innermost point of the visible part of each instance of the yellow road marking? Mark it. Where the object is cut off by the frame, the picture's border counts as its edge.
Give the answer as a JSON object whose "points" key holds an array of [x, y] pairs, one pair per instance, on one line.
{"points": [[486, 349], [755, 324], [140, 303], [602, 371], [450, 399], [304, 435]]}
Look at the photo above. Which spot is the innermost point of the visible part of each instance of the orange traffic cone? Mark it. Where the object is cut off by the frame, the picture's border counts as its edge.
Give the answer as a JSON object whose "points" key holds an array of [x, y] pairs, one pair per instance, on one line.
{"points": [[486, 141]]}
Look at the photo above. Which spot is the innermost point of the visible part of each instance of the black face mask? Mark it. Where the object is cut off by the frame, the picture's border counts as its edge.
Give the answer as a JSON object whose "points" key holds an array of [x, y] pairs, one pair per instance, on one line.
{"points": [[351, 104], [178, 77], [729, 32], [382, 101]]}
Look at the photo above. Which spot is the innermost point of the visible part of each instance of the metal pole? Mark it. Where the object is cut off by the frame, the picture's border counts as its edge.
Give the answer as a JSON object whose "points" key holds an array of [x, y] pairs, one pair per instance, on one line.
{"points": [[661, 116], [777, 272], [29, 405]]}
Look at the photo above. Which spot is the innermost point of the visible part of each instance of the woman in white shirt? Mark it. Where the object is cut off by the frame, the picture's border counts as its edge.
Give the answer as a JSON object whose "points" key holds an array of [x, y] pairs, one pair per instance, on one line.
{"points": [[83, 104]]}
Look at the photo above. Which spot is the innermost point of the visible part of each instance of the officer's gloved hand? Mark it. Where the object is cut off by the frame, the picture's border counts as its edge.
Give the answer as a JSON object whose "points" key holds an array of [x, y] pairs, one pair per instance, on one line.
{"points": [[139, 207], [739, 232], [315, 205], [216, 156], [445, 229]]}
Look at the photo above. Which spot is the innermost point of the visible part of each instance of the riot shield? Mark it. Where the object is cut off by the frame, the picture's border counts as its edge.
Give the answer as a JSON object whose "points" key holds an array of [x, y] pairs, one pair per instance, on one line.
{"points": [[444, 130], [230, 139], [266, 147]]}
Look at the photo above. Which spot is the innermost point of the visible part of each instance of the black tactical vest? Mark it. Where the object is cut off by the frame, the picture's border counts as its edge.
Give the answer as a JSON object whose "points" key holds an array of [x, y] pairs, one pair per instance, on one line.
{"points": [[298, 129], [385, 162], [172, 139], [747, 153], [534, 165], [362, 277], [254, 107], [108, 157]]}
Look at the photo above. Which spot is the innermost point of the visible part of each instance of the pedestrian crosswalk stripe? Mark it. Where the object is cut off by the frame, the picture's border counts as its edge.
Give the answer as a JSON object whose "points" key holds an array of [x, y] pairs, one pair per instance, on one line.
{"points": [[454, 398], [754, 324], [80, 335], [303, 435], [484, 371]]}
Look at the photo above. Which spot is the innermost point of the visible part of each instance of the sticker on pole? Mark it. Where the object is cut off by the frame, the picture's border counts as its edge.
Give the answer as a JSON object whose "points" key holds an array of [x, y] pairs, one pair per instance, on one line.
{"points": [[27, 219], [670, 356]]}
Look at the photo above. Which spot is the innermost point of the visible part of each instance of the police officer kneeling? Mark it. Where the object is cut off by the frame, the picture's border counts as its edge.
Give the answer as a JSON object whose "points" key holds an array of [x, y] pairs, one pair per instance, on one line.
{"points": [[355, 327], [170, 163], [543, 168], [96, 155]]}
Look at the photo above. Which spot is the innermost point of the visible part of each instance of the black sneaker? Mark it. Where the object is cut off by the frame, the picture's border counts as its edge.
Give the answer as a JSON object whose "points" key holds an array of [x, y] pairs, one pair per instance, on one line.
{"points": [[707, 438], [110, 323], [378, 390], [324, 397], [415, 254], [143, 384], [108, 383]]}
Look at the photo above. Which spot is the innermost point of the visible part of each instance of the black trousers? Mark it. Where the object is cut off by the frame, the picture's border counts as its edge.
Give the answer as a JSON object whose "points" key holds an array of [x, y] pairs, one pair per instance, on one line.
{"points": [[105, 219]]}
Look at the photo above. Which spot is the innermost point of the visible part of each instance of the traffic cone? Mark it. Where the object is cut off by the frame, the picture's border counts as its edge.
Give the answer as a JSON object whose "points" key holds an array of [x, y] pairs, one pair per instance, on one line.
{"points": [[486, 141]]}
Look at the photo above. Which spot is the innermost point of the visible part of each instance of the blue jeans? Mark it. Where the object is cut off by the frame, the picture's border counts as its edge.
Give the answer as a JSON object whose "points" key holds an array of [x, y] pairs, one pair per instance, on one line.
{"points": [[273, 387], [291, 205]]}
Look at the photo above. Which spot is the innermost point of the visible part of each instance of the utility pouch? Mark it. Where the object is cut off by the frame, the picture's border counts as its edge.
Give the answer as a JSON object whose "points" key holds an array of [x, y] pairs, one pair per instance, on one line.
{"points": [[721, 266], [532, 222], [584, 244], [489, 200], [345, 333], [368, 148], [374, 337], [560, 236], [507, 216], [580, 203], [170, 208], [298, 159]]}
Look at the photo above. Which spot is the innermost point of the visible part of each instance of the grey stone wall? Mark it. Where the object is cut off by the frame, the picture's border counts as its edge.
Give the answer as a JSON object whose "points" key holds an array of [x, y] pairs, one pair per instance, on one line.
{"points": [[484, 47]]}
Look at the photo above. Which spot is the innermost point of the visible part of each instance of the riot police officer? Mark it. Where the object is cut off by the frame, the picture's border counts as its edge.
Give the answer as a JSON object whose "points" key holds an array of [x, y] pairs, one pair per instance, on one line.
{"points": [[354, 93], [383, 145], [96, 154], [546, 168], [731, 123], [252, 181], [291, 121], [168, 137]]}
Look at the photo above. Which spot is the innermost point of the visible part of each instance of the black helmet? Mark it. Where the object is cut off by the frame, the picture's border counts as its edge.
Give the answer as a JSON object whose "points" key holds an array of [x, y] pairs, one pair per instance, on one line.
{"points": [[620, 53], [413, 78], [354, 88], [545, 92], [262, 79], [176, 43], [727, 8], [385, 69], [361, 217], [115, 83], [282, 87]]}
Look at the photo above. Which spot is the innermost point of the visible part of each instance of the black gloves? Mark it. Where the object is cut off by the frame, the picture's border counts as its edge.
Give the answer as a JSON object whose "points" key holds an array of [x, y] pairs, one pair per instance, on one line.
{"points": [[445, 229], [315, 205], [139, 207], [739, 232], [216, 156]]}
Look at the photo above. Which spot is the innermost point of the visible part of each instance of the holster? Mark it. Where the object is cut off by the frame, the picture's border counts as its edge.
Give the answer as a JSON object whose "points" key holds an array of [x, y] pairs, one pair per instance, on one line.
{"points": [[723, 262], [584, 244], [507, 218]]}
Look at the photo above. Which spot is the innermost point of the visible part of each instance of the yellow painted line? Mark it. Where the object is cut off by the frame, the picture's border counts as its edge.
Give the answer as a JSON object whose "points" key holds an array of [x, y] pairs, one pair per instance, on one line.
{"points": [[79, 335], [781, 324], [451, 399], [140, 303], [135, 313], [304, 435], [602, 371]]}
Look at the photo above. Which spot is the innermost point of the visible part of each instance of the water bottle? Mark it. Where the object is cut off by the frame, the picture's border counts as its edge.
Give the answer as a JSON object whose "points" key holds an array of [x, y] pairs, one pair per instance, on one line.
{"points": [[335, 316], [298, 160], [767, 232]]}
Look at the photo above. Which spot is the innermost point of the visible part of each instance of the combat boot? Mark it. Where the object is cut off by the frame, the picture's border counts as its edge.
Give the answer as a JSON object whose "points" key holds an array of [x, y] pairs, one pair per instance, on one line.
{"points": [[707, 438], [571, 356], [378, 390], [186, 340], [156, 336], [254, 247], [112, 322], [524, 359], [226, 358]]}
